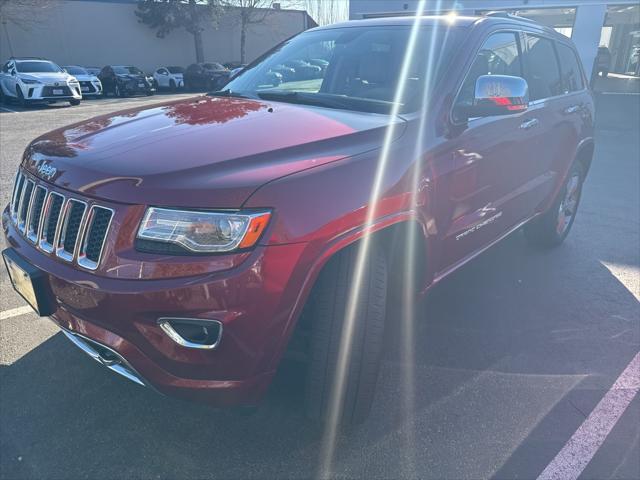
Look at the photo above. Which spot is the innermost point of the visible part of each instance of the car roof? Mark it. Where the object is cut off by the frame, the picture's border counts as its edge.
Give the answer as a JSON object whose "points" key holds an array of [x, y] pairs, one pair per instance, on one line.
{"points": [[493, 18]]}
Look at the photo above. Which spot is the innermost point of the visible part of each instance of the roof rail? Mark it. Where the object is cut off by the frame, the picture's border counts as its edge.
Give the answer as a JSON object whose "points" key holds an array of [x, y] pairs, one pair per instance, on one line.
{"points": [[26, 58], [503, 14]]}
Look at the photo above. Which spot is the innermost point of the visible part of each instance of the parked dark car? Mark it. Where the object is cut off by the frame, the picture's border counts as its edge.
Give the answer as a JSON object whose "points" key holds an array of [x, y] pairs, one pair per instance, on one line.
{"points": [[125, 81], [205, 76], [288, 74], [304, 70], [190, 245]]}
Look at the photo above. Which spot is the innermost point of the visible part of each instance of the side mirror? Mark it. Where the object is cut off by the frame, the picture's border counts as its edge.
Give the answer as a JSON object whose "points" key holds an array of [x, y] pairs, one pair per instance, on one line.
{"points": [[499, 95]]}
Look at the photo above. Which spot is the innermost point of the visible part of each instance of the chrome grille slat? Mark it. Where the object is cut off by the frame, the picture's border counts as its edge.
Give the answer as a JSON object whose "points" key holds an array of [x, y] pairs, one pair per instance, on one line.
{"points": [[69, 228], [72, 221], [97, 226], [23, 207], [35, 213], [51, 222], [15, 197]]}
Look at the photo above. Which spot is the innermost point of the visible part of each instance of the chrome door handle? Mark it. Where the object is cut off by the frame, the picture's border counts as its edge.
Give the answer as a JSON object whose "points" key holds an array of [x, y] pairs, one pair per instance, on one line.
{"points": [[572, 109], [529, 124]]}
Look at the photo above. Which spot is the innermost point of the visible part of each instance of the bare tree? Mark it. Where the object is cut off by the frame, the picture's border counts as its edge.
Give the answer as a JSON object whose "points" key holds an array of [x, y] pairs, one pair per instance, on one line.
{"points": [[251, 12], [192, 15], [325, 12]]}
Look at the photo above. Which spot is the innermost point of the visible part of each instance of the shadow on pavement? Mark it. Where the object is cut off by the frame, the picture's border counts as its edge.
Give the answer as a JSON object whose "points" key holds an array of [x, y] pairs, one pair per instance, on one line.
{"points": [[512, 325]]}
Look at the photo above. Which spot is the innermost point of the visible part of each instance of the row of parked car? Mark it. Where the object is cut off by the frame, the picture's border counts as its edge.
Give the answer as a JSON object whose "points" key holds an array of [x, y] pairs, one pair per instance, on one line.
{"points": [[28, 80]]}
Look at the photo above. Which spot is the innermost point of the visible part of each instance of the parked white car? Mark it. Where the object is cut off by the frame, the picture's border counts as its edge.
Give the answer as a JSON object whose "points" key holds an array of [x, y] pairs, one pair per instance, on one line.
{"points": [[30, 80], [169, 77], [90, 84]]}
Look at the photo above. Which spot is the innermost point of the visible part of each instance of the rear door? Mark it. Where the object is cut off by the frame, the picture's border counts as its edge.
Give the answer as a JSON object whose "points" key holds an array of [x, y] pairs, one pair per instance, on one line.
{"points": [[544, 125]]}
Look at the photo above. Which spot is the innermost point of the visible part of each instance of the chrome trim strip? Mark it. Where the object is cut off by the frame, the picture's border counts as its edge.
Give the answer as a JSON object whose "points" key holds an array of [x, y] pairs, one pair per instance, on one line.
{"points": [[118, 365], [165, 325], [60, 249], [82, 259]]}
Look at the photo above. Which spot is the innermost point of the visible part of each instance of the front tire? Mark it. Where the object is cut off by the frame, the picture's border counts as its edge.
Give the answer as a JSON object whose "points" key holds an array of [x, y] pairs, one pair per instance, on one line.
{"points": [[328, 319], [550, 229], [20, 98], [117, 91], [74, 102]]}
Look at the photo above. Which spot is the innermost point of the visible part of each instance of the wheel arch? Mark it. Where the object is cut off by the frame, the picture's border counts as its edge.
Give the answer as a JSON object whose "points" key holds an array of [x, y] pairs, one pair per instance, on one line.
{"points": [[584, 153]]}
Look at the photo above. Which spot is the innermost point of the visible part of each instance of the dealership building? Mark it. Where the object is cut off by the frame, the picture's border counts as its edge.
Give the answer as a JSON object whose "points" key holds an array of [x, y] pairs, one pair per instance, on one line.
{"points": [[590, 23]]}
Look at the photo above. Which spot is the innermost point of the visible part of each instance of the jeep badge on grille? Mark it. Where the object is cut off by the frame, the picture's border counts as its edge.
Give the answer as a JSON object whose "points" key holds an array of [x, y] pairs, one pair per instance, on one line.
{"points": [[46, 171]]}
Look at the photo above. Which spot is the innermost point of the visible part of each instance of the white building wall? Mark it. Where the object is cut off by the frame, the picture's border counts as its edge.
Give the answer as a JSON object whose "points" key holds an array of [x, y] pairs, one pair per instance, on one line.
{"points": [[94, 33]]}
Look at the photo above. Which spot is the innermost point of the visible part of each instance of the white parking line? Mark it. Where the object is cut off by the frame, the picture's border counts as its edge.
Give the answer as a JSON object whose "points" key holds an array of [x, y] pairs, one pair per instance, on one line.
{"points": [[585, 442], [14, 312]]}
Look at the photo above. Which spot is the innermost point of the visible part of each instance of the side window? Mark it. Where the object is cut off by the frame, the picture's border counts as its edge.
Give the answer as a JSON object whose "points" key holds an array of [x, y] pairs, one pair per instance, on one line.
{"points": [[572, 80], [499, 55], [541, 68]]}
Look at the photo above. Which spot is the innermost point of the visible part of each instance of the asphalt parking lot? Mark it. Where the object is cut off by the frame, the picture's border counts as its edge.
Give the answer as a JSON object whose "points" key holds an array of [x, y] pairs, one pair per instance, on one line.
{"points": [[512, 355]]}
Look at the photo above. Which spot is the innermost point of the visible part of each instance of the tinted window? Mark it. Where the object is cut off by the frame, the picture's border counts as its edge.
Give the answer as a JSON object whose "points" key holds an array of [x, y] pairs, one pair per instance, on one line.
{"points": [[499, 55], [541, 68], [127, 70], [37, 67], [571, 74], [76, 70], [176, 69]]}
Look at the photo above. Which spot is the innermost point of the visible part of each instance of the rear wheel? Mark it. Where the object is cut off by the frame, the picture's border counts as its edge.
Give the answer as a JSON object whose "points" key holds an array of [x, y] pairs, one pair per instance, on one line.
{"points": [[363, 334], [551, 228]]}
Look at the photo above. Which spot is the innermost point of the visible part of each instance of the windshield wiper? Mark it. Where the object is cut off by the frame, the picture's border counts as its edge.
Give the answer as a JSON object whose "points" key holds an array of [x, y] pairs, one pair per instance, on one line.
{"points": [[304, 98], [229, 93]]}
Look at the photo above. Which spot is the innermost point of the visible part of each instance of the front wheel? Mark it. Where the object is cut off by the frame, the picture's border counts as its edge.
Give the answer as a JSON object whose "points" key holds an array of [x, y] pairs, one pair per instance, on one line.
{"points": [[346, 343], [117, 91], [74, 102], [551, 228], [20, 97]]}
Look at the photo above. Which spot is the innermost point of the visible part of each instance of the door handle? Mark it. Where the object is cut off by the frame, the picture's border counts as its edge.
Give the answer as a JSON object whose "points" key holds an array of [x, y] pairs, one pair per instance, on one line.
{"points": [[572, 109], [526, 125]]}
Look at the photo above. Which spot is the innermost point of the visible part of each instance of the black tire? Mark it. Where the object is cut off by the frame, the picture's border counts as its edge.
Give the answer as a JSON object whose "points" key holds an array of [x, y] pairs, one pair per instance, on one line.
{"points": [[74, 102], [172, 85], [550, 229], [117, 92], [329, 304], [20, 98]]}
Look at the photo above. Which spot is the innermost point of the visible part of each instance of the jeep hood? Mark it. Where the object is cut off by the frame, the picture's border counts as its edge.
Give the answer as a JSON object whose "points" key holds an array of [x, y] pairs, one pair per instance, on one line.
{"points": [[201, 152]]}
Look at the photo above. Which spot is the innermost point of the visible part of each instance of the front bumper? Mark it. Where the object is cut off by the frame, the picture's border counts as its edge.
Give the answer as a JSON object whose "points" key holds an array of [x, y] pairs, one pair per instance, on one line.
{"points": [[49, 93], [256, 302]]}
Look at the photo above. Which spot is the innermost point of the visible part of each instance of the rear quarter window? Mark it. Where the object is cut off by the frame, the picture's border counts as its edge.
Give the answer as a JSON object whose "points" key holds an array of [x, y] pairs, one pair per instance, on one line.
{"points": [[572, 80], [542, 71]]}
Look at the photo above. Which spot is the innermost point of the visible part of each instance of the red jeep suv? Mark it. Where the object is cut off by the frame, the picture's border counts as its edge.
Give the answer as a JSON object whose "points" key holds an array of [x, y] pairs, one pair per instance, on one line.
{"points": [[187, 246]]}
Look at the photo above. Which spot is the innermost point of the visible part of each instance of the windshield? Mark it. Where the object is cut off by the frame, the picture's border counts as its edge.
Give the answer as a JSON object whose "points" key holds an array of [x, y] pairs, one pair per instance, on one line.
{"points": [[355, 68], [175, 69], [127, 71], [213, 66], [76, 70], [37, 67]]}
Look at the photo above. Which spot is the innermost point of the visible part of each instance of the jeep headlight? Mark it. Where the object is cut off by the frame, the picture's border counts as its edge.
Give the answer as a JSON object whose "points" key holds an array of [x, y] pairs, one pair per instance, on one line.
{"points": [[198, 231], [30, 81]]}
